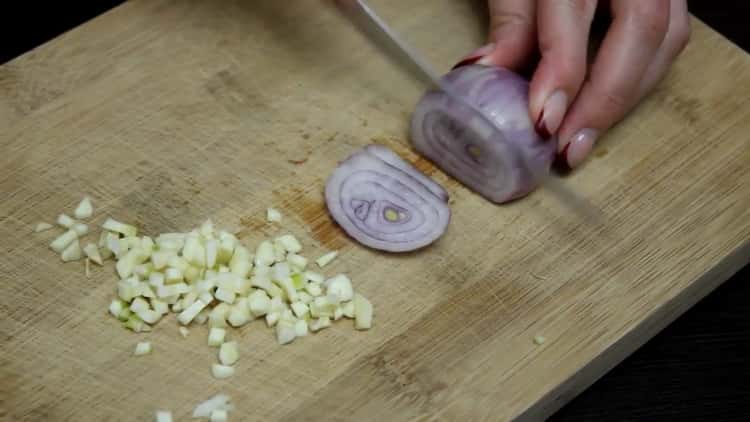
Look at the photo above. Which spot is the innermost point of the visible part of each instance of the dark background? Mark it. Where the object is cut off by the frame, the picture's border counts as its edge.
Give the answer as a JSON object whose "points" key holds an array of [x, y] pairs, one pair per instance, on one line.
{"points": [[695, 370]]}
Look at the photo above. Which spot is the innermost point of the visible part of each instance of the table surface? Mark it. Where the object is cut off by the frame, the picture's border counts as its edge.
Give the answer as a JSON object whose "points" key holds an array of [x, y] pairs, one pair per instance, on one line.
{"points": [[567, 412]]}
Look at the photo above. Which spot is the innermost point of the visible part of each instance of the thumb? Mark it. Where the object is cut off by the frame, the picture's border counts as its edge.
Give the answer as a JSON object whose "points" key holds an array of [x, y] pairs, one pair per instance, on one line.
{"points": [[512, 35]]}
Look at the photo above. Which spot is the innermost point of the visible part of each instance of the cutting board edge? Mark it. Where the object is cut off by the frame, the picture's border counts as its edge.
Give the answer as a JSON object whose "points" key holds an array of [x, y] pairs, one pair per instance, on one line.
{"points": [[626, 345]]}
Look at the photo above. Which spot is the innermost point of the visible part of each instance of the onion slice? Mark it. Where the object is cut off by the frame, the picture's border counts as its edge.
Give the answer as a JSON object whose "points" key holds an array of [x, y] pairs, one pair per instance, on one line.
{"points": [[494, 165], [385, 203]]}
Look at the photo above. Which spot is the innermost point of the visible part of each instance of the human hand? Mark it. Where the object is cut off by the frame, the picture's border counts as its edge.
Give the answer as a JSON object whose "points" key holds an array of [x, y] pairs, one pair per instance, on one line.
{"points": [[567, 97]]}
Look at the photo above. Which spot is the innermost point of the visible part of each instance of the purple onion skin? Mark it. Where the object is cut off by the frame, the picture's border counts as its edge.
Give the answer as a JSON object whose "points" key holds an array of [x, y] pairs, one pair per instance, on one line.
{"points": [[439, 132], [373, 183]]}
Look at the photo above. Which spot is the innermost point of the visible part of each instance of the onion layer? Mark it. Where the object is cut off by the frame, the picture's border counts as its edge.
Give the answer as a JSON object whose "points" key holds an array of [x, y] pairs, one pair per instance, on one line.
{"points": [[491, 164], [385, 203]]}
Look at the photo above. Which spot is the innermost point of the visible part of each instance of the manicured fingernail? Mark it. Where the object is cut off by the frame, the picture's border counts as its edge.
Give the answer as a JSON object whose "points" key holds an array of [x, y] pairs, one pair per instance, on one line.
{"points": [[561, 160], [552, 114], [475, 56], [580, 146]]}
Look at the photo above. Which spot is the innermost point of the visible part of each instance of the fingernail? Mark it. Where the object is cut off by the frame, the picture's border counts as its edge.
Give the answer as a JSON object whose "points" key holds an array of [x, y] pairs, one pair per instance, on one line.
{"points": [[580, 146], [552, 114], [475, 56]]}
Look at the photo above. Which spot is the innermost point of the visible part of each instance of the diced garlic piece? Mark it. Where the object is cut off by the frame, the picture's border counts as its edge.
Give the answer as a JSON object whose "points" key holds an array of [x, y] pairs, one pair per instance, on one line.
{"points": [[314, 277], [225, 295], [220, 371], [219, 401], [206, 297], [142, 348], [218, 415], [139, 304], [319, 324], [216, 336], [143, 270], [212, 250], [305, 297], [288, 287], [192, 274], [259, 303], [239, 314], [341, 286], [92, 252], [61, 242], [145, 290], [194, 252], [297, 262], [300, 310], [72, 252], [314, 289], [285, 332], [64, 220], [362, 313], [279, 253], [241, 262], [348, 309], [159, 306], [161, 258], [80, 228], [218, 316], [326, 259], [116, 226], [290, 243], [119, 309], [188, 314], [264, 283], [104, 240], [300, 328], [207, 229], [338, 313], [136, 324], [163, 416], [264, 254], [173, 275], [229, 353], [280, 271], [273, 215], [156, 279], [149, 315], [84, 209], [184, 332], [202, 316], [40, 227], [272, 318]]}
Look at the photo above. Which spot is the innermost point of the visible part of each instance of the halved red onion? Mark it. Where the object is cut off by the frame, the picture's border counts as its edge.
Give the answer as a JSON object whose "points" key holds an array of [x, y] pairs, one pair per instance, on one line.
{"points": [[385, 203], [494, 164]]}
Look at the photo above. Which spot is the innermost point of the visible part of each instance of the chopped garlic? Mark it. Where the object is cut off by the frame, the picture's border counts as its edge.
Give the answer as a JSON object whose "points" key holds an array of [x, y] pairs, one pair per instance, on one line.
{"points": [[218, 315], [273, 215], [139, 304], [163, 416], [341, 286], [149, 316], [40, 227], [61, 242], [142, 348], [362, 313], [300, 309], [290, 243], [285, 332], [348, 309], [72, 252], [326, 259], [314, 289], [65, 220], [264, 254], [220, 371], [314, 277], [298, 262], [218, 415], [188, 314], [539, 340], [259, 303], [92, 252], [184, 332], [118, 227], [229, 353], [300, 328], [225, 295], [216, 336], [84, 209], [239, 314], [272, 319], [319, 324], [80, 228], [217, 402]]}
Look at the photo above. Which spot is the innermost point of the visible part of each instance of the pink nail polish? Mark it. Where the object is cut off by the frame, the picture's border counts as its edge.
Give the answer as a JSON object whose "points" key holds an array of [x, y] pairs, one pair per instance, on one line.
{"points": [[475, 56], [552, 114], [580, 146]]}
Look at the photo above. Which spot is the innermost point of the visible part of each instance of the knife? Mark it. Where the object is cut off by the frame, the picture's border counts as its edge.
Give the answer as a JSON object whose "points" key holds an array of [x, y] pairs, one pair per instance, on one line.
{"points": [[384, 37]]}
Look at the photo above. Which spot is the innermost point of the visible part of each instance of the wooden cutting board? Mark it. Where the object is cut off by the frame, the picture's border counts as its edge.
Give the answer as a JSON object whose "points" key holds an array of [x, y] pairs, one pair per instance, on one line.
{"points": [[168, 113]]}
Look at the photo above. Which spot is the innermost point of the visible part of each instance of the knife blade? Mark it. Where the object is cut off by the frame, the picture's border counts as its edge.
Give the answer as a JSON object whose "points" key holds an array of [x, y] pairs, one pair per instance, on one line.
{"points": [[377, 31]]}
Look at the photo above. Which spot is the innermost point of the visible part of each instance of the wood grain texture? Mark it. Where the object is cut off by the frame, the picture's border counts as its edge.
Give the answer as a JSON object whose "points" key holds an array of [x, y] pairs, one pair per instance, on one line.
{"points": [[170, 112]]}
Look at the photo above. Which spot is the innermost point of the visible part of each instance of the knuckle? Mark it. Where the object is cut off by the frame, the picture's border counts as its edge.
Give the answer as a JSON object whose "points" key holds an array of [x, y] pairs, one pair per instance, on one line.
{"points": [[651, 18], [582, 8]]}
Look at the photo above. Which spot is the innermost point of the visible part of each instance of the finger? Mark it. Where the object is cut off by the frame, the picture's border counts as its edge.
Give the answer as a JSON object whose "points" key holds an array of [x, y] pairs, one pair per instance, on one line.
{"points": [[511, 35], [563, 40], [677, 38], [637, 31]]}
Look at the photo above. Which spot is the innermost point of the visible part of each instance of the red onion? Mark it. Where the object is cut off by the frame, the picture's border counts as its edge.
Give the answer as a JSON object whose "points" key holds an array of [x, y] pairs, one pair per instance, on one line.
{"points": [[457, 141], [385, 203]]}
